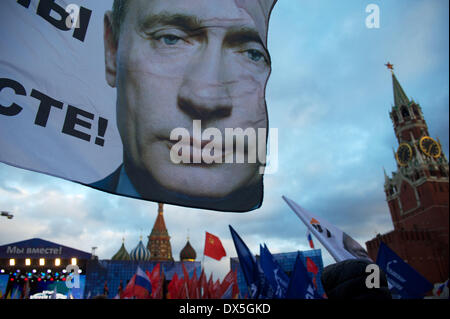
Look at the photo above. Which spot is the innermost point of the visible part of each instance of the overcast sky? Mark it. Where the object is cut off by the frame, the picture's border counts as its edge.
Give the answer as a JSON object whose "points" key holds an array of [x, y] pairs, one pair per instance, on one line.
{"points": [[329, 96]]}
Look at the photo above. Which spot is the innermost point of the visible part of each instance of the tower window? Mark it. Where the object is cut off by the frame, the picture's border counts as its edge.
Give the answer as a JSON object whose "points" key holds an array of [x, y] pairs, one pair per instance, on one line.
{"points": [[405, 112]]}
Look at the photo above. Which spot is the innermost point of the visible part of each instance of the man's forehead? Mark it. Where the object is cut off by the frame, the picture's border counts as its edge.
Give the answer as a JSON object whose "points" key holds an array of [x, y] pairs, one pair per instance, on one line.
{"points": [[226, 13]]}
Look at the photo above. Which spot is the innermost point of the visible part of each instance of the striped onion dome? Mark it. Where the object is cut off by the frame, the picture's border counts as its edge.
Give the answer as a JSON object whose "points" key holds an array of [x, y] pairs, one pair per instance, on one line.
{"points": [[122, 254], [140, 253], [188, 253]]}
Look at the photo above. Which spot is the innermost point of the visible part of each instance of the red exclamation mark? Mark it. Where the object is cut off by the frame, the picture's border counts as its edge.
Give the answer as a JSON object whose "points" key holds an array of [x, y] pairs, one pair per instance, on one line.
{"points": [[102, 125]]}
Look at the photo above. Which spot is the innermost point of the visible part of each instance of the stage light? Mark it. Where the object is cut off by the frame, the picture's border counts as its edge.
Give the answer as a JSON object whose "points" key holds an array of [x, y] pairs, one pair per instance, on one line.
{"points": [[64, 271], [39, 279], [2, 271], [27, 262], [79, 271], [34, 271], [12, 262], [41, 261], [74, 261], [51, 279], [57, 262], [12, 279]]}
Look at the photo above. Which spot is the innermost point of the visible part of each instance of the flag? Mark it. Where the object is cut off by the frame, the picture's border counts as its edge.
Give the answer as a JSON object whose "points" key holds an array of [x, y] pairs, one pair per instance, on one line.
{"points": [[340, 245], [311, 243], [142, 285], [228, 293], [209, 287], [173, 288], [215, 289], [171, 294], [155, 279], [185, 288], [312, 268], [404, 279], [193, 286], [159, 291], [213, 247], [226, 284], [300, 284], [277, 278], [129, 289], [248, 265]]}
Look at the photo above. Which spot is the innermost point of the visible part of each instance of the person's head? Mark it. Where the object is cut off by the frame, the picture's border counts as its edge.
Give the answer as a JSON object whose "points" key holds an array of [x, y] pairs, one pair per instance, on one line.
{"points": [[347, 280], [175, 61]]}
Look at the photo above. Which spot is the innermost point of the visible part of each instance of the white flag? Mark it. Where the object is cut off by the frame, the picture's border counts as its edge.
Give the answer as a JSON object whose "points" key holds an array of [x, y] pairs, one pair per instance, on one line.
{"points": [[340, 245]]}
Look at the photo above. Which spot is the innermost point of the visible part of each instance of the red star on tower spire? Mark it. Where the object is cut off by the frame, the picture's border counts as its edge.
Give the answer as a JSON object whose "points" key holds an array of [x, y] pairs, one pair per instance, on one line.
{"points": [[390, 66]]}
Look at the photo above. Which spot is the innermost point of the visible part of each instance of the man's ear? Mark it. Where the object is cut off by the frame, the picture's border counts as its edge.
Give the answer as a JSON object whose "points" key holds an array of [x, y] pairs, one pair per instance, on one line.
{"points": [[110, 50]]}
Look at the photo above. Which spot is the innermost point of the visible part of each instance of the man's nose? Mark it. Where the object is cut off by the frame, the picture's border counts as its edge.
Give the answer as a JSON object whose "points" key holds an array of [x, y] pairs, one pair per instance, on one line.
{"points": [[205, 91]]}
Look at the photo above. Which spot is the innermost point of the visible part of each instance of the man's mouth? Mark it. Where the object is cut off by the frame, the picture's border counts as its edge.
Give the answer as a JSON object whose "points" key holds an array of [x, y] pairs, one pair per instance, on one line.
{"points": [[197, 151]]}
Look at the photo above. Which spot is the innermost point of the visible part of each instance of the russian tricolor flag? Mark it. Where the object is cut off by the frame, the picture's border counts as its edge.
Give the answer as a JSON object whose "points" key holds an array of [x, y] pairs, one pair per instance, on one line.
{"points": [[311, 244], [142, 285]]}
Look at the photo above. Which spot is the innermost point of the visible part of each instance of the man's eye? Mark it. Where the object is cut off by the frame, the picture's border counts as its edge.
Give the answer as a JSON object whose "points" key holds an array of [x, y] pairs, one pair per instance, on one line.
{"points": [[255, 55], [170, 39]]}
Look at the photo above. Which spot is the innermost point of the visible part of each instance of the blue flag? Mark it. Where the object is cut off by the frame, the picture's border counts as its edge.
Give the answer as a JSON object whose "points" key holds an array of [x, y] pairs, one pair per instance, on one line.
{"points": [[405, 280], [276, 277], [301, 285], [248, 265]]}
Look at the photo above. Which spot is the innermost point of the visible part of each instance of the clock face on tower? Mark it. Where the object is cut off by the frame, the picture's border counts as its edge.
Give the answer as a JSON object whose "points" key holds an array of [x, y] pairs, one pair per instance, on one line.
{"points": [[404, 154], [430, 147]]}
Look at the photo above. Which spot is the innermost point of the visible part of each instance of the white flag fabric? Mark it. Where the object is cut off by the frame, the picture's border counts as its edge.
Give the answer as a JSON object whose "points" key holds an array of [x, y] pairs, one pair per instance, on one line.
{"points": [[340, 245], [138, 98]]}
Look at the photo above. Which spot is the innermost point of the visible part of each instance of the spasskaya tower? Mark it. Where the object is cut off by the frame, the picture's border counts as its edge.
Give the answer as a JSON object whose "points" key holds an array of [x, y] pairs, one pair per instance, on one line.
{"points": [[417, 193]]}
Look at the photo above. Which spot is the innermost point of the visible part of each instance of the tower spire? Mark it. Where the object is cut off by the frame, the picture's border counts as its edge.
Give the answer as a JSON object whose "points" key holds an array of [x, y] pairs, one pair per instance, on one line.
{"points": [[159, 239], [400, 97]]}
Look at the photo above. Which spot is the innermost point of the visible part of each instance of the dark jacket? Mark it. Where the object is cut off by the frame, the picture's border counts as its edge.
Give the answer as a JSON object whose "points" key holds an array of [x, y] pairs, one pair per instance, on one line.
{"points": [[242, 200], [110, 182]]}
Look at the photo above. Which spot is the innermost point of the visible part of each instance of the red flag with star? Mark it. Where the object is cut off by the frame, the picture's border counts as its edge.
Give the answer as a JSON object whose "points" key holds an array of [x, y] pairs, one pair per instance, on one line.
{"points": [[214, 247]]}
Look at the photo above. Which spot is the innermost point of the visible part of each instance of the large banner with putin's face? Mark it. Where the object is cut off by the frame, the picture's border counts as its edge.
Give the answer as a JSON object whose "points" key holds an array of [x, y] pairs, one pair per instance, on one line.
{"points": [[158, 100]]}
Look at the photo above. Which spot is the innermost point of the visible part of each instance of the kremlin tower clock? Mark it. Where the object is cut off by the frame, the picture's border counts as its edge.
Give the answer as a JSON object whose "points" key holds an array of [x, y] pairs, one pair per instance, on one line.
{"points": [[417, 193]]}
